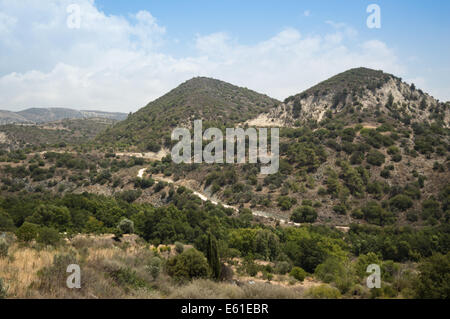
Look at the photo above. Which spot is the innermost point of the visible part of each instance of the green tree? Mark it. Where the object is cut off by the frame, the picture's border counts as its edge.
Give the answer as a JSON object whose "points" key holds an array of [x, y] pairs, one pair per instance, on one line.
{"points": [[126, 226], [304, 214], [51, 216], [401, 202], [154, 267], [434, 278], [188, 265], [213, 256], [6, 222], [27, 232]]}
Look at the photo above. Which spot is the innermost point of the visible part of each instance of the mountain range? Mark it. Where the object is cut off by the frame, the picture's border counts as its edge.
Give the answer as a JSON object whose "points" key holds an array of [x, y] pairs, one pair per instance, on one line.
{"points": [[355, 96], [45, 115]]}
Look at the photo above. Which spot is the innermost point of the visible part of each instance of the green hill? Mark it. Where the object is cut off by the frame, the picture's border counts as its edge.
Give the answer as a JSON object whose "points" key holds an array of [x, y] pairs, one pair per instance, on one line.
{"points": [[218, 103]]}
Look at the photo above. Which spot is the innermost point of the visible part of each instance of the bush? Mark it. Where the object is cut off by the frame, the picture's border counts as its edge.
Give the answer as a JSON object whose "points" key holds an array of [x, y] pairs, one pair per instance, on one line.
{"points": [[286, 202], [282, 267], [154, 267], [357, 214], [375, 158], [179, 247], [56, 274], [48, 236], [6, 222], [375, 214], [4, 247], [397, 158], [304, 214], [364, 261], [385, 173], [298, 273], [129, 195], [434, 278], [226, 273], [431, 208], [412, 216], [27, 232], [251, 268], [331, 269], [340, 209], [127, 277], [401, 202], [188, 265], [323, 292], [126, 226], [3, 290]]}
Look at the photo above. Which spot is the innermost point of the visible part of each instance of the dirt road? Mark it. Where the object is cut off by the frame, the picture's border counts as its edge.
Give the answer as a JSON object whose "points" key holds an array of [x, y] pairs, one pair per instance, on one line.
{"points": [[205, 198]]}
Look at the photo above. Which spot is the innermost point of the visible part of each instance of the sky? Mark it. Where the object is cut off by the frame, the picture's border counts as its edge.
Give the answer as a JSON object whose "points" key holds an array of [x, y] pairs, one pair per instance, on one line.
{"points": [[117, 55]]}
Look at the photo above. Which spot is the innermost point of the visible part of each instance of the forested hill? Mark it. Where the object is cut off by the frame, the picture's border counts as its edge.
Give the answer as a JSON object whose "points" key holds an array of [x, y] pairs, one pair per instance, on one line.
{"points": [[218, 103]]}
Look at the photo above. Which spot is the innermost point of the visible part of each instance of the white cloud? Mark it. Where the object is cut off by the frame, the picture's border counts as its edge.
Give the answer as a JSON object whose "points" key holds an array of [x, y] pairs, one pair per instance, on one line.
{"points": [[117, 64], [307, 13]]}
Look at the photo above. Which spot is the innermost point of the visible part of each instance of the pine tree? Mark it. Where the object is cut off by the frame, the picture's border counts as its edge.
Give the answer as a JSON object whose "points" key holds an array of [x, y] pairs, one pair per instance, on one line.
{"points": [[213, 256]]}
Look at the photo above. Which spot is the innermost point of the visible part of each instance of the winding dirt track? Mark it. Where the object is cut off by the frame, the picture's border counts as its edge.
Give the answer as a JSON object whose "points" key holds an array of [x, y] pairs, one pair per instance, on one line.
{"points": [[205, 198]]}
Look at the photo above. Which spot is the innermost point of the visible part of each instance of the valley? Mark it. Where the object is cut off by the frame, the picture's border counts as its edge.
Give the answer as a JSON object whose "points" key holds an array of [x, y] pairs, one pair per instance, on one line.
{"points": [[363, 179]]}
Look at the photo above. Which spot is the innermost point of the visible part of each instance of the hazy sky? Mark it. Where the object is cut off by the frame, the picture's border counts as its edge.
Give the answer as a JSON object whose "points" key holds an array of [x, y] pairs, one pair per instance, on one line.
{"points": [[127, 53]]}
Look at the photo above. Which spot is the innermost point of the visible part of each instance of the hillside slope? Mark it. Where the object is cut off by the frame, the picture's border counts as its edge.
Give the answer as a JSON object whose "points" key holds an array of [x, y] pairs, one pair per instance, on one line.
{"points": [[218, 103], [358, 95]]}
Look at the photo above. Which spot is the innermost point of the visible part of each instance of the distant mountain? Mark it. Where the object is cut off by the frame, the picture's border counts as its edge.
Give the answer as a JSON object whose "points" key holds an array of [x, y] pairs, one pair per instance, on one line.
{"points": [[45, 115], [8, 117], [217, 103], [359, 95], [68, 131]]}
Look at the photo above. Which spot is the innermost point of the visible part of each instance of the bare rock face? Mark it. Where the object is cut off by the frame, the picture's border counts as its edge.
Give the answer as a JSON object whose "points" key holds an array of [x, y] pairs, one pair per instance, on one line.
{"points": [[358, 90]]}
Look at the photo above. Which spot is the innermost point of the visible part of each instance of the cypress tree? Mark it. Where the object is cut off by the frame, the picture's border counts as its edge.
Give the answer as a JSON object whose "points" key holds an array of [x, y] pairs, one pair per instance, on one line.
{"points": [[213, 256]]}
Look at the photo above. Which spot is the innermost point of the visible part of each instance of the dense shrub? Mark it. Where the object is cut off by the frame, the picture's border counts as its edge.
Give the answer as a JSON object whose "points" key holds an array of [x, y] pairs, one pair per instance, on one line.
{"points": [[323, 292], [6, 222], [286, 202], [401, 202], [154, 267], [188, 265], [48, 236], [375, 158], [4, 247], [434, 278], [129, 195], [375, 214], [126, 226], [431, 209], [179, 247], [298, 273], [340, 209], [304, 214], [282, 267], [27, 232]]}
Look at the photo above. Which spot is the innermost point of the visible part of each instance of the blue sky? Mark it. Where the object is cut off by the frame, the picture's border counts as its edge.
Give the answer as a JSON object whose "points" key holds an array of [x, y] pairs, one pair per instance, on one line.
{"points": [[126, 53], [412, 27]]}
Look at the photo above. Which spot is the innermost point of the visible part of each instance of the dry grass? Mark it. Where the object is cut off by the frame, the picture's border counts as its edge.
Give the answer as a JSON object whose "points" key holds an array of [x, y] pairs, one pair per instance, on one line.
{"points": [[19, 269], [204, 289], [113, 270]]}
